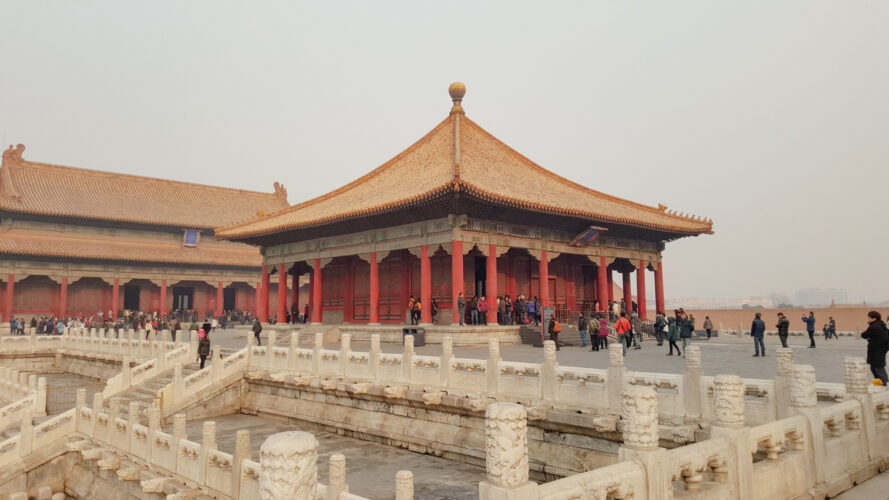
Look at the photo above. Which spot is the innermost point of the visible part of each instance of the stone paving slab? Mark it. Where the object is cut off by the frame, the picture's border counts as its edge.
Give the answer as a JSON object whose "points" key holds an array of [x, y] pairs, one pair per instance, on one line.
{"points": [[725, 355], [370, 467]]}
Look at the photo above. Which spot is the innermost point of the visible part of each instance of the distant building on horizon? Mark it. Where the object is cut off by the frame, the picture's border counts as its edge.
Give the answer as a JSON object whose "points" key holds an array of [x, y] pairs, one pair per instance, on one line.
{"points": [[821, 296]]}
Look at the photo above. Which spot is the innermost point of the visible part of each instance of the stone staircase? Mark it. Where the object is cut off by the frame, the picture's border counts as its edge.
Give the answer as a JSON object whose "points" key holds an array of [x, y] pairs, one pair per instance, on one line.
{"points": [[146, 393]]}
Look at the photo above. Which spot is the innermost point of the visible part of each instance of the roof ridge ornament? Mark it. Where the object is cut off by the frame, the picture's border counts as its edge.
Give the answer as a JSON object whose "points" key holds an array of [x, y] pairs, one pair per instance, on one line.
{"points": [[457, 91]]}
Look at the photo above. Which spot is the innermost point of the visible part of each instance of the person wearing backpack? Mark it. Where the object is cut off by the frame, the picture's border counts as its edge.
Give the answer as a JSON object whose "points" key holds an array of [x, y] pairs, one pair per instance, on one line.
{"points": [[554, 329], [623, 328], [582, 325], [603, 333]]}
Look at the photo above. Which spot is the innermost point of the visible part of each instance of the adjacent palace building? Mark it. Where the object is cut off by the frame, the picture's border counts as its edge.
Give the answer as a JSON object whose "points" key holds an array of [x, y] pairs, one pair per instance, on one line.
{"points": [[459, 211], [75, 241]]}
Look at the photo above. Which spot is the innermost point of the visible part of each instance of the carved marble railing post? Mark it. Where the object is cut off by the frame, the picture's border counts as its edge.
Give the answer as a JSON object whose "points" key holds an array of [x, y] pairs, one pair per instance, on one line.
{"points": [[32, 383], [804, 401], [404, 485], [26, 433], [506, 444], [216, 363], [134, 417], [242, 452], [336, 477], [444, 366], [178, 383], [373, 357], [784, 358], [130, 351], [251, 341], [32, 341], [97, 407], [640, 430], [180, 429], [126, 373], [407, 360], [193, 344], [691, 382], [548, 381], [40, 401], [728, 423], [492, 370], [316, 353], [113, 412], [616, 373], [208, 444], [292, 350], [857, 378], [154, 425], [79, 402], [345, 352], [289, 467]]}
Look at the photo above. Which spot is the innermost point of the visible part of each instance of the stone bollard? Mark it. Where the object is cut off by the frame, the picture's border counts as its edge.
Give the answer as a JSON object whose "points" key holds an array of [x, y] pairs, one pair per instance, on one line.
{"points": [[444, 366], [407, 360], [548, 380], [728, 414], [289, 467], [492, 368], [345, 352], [855, 373], [337, 477], [784, 358], [404, 485], [691, 382], [373, 357], [804, 401], [616, 373], [506, 444]]}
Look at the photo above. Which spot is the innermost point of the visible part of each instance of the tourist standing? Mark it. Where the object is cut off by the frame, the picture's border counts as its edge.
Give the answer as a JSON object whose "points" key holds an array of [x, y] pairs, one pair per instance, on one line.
{"points": [[603, 333], [660, 322], [203, 346], [686, 327], [481, 311], [832, 328], [810, 328], [554, 329], [783, 329], [582, 325], [461, 308], [532, 311], [623, 328], [757, 330], [825, 330], [257, 329], [538, 311], [708, 325], [673, 335], [877, 344], [636, 331]]}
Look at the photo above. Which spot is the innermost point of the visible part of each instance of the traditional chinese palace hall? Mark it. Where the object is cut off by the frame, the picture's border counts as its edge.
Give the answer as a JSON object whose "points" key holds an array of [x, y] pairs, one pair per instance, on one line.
{"points": [[79, 241], [460, 211]]}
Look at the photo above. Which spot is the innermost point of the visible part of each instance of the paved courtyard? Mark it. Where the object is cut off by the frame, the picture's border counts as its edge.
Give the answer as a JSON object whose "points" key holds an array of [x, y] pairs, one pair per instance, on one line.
{"points": [[726, 355]]}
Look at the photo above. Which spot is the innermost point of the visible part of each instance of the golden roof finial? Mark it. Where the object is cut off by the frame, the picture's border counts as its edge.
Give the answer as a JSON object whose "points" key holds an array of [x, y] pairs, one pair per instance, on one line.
{"points": [[457, 91]]}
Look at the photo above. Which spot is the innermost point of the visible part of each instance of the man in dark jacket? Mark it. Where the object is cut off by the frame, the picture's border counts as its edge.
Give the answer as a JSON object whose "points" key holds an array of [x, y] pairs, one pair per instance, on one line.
{"points": [[257, 329], [783, 328], [810, 328], [757, 330], [877, 344]]}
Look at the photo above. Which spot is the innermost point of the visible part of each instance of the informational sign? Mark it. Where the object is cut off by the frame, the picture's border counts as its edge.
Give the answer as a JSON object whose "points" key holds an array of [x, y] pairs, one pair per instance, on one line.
{"points": [[548, 313]]}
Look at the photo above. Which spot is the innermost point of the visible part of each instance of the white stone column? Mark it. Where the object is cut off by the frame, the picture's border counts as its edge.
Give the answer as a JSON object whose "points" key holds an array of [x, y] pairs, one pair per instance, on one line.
{"points": [[79, 402], [641, 435], [292, 358], [506, 444], [784, 358], [616, 373], [208, 443], [691, 382], [407, 360], [242, 452], [26, 433], [728, 414], [316, 354], [444, 366], [492, 368], [404, 485], [855, 373], [216, 364], [345, 352], [40, 399], [373, 357], [97, 407], [804, 401], [289, 467], [548, 381], [178, 383], [126, 373], [336, 477], [133, 417]]}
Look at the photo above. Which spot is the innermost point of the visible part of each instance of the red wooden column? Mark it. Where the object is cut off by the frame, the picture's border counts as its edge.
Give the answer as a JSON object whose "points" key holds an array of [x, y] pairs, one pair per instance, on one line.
{"points": [[115, 296], [610, 280], [10, 286], [511, 286], [258, 302], [219, 300], [63, 297], [163, 304], [602, 281], [659, 287], [640, 290], [374, 290], [457, 284], [628, 292], [264, 297], [544, 279], [316, 292], [282, 293], [425, 286], [491, 284]]}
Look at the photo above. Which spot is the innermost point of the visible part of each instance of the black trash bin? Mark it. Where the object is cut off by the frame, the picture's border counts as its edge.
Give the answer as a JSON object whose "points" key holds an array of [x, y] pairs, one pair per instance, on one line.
{"points": [[418, 333]]}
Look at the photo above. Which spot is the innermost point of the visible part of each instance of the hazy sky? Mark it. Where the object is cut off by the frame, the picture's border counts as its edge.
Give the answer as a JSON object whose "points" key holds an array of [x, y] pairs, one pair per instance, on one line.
{"points": [[770, 117]]}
